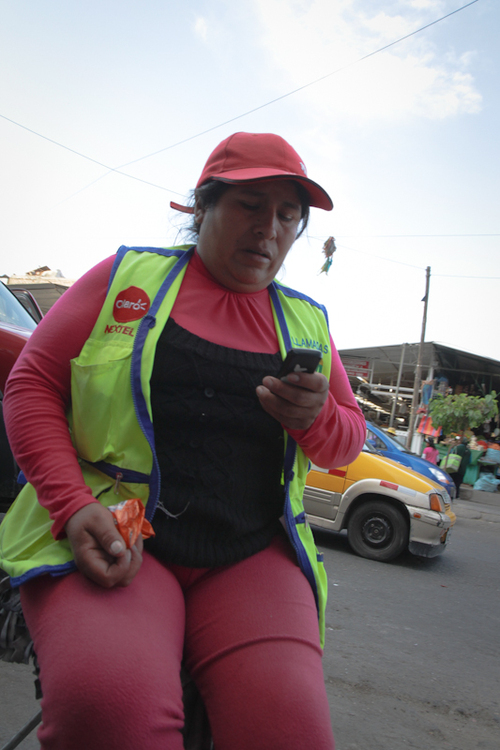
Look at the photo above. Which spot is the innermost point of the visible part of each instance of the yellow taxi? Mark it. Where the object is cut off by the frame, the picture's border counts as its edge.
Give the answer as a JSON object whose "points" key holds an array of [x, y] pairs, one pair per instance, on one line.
{"points": [[385, 507]]}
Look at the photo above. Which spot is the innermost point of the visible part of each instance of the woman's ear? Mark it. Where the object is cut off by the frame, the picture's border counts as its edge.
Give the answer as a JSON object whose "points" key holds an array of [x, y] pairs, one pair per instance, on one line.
{"points": [[199, 212]]}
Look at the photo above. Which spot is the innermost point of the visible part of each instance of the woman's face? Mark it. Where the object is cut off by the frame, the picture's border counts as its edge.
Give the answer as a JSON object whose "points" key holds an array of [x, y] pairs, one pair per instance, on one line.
{"points": [[244, 238]]}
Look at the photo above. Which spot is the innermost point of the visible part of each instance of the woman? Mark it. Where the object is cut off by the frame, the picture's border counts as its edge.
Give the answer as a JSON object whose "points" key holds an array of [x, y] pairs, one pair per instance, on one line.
{"points": [[463, 450], [163, 363], [430, 452]]}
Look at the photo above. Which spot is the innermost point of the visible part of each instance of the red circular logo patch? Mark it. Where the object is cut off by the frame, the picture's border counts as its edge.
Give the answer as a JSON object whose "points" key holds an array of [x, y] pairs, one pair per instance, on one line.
{"points": [[131, 304]]}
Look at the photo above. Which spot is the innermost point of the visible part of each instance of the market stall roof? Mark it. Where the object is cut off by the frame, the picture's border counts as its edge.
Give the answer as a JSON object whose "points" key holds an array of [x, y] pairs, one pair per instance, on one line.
{"points": [[380, 365], [45, 285], [46, 293]]}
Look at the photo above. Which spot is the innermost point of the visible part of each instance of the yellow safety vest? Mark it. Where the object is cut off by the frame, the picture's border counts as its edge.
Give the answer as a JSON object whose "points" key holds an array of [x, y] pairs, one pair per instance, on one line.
{"points": [[111, 419]]}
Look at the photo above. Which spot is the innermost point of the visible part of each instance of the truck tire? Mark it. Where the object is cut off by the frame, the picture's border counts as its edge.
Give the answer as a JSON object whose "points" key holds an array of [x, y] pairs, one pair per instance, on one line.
{"points": [[378, 530]]}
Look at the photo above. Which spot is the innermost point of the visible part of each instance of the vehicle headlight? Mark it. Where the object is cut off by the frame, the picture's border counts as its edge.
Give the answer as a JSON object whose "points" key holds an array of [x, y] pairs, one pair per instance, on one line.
{"points": [[436, 502], [440, 475]]}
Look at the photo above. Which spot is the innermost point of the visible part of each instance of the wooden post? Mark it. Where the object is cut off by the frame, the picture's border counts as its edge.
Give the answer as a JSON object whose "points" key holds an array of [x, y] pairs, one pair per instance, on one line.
{"points": [[418, 370], [394, 403]]}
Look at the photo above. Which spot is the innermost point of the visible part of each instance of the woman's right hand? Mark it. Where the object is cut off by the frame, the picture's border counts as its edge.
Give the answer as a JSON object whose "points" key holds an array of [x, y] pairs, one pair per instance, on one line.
{"points": [[100, 552]]}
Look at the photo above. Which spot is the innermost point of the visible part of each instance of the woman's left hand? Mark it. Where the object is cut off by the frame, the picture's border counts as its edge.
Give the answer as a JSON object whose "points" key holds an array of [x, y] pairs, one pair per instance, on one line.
{"points": [[296, 401]]}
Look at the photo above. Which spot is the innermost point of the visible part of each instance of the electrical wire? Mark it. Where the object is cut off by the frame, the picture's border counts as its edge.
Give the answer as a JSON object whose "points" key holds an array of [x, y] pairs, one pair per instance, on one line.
{"points": [[385, 236], [84, 156], [453, 276], [409, 265], [233, 119], [380, 257], [305, 86]]}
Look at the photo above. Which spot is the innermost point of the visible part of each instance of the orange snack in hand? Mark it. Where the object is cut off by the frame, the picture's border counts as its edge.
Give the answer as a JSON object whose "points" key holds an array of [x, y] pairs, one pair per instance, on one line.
{"points": [[130, 521]]}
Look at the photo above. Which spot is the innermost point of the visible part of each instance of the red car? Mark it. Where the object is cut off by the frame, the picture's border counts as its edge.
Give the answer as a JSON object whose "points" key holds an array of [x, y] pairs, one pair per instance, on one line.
{"points": [[16, 325]]}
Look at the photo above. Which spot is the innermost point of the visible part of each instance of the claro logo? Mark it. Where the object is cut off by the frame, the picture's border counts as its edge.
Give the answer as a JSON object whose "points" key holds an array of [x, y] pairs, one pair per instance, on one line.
{"points": [[131, 304]]}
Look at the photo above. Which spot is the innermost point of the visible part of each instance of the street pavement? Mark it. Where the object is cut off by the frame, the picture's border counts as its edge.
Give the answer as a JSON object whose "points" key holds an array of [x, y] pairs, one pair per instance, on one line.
{"points": [[474, 504], [412, 651]]}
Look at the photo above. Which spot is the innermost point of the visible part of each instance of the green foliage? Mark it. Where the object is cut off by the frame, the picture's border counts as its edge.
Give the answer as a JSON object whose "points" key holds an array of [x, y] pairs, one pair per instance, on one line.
{"points": [[459, 413]]}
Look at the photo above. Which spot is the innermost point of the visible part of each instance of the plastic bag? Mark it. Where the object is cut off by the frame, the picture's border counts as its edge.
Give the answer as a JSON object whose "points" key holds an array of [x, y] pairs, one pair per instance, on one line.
{"points": [[451, 462], [487, 483], [130, 521]]}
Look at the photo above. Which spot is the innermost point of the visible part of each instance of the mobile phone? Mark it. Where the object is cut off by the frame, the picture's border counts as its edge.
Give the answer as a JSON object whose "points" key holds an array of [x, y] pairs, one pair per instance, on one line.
{"points": [[300, 360]]}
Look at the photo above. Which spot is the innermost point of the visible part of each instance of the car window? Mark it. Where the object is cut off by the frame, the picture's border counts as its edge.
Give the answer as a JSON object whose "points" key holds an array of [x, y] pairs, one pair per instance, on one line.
{"points": [[375, 441], [393, 442], [12, 312], [29, 303], [396, 442]]}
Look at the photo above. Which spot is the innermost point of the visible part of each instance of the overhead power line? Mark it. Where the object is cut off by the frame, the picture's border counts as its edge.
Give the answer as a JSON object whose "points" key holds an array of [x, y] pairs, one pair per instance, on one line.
{"points": [[84, 156], [237, 117], [409, 265], [301, 88], [454, 276], [385, 236]]}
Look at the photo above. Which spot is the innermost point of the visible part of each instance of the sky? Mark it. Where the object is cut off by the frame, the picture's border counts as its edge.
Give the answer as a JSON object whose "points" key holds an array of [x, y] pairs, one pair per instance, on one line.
{"points": [[405, 139]]}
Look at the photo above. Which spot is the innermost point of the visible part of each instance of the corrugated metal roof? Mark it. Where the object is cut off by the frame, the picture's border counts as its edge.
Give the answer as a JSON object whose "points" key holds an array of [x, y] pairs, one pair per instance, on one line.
{"points": [[46, 291], [459, 367]]}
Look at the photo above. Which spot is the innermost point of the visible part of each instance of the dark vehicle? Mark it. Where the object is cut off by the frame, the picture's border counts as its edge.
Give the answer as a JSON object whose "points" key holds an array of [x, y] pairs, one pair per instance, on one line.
{"points": [[16, 326]]}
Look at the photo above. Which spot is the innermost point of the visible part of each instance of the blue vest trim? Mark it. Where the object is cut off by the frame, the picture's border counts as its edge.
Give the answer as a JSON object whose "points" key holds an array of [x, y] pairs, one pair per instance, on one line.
{"points": [[165, 251], [303, 559], [272, 289], [298, 295], [54, 570], [140, 406], [127, 475], [118, 259]]}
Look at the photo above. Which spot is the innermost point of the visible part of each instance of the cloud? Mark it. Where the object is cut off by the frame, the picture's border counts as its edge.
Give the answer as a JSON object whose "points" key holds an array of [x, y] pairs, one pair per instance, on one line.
{"points": [[424, 4], [308, 40], [201, 28]]}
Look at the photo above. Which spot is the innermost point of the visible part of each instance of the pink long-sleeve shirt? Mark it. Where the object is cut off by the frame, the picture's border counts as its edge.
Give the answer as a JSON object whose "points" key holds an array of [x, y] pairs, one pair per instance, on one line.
{"points": [[38, 391]]}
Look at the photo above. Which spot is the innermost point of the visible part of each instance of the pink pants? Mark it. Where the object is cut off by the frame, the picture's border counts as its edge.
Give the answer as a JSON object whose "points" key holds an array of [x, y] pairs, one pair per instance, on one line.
{"points": [[110, 659]]}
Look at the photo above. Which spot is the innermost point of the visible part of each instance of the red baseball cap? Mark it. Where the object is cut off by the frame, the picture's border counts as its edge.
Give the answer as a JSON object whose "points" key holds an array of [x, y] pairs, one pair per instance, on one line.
{"points": [[253, 157]]}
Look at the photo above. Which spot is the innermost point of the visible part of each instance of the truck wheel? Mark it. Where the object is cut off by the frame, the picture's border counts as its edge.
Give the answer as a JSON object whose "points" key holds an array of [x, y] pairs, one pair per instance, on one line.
{"points": [[377, 530]]}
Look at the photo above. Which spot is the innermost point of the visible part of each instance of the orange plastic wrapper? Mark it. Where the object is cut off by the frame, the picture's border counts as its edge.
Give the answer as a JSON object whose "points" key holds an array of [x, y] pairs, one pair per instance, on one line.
{"points": [[130, 521]]}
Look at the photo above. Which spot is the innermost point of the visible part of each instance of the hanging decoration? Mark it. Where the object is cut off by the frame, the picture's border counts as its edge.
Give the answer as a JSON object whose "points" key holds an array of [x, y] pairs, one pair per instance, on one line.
{"points": [[328, 249]]}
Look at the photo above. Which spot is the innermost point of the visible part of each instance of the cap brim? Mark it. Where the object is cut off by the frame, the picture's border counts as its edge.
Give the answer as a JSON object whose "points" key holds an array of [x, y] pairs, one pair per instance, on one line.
{"points": [[319, 198], [184, 209]]}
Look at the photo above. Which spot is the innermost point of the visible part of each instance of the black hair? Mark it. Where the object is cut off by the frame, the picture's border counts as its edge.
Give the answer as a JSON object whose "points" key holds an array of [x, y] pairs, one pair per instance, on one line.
{"points": [[209, 194], [430, 442]]}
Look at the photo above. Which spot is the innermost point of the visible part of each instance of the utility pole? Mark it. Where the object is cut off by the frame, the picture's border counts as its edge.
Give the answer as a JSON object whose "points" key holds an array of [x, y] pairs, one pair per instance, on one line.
{"points": [[418, 370], [394, 403]]}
